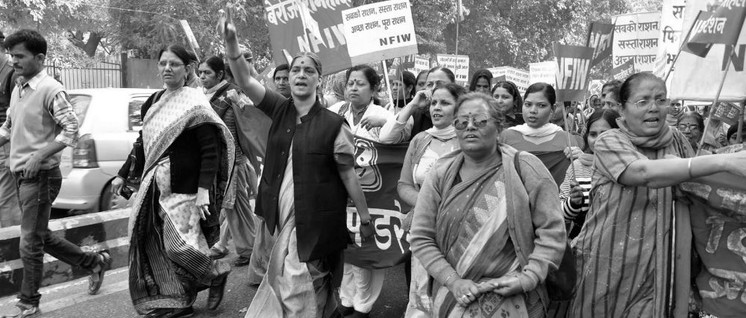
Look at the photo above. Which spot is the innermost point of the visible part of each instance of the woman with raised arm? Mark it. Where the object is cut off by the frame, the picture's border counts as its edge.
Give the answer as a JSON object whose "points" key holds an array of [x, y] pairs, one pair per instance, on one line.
{"points": [[307, 178]]}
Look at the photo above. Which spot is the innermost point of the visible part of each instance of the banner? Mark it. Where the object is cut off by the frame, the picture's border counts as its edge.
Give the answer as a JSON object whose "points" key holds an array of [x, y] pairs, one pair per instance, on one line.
{"points": [[600, 38], [721, 26], [623, 71], [379, 31], [636, 37], [669, 41], [506, 73], [697, 78], [542, 72], [378, 167], [287, 31], [459, 64], [572, 73], [420, 64]]}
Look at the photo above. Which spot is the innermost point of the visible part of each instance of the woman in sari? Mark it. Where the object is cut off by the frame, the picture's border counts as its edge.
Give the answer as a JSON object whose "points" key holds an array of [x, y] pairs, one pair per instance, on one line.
{"points": [[510, 102], [540, 137], [188, 158], [624, 250], [424, 150], [486, 230], [307, 179]]}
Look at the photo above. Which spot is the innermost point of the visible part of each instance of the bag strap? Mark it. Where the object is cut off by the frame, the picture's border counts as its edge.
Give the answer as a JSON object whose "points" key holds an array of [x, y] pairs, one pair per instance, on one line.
{"points": [[517, 165], [220, 92]]}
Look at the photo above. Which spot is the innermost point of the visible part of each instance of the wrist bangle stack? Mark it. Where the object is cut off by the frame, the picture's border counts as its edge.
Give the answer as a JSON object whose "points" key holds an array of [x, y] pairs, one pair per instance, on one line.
{"points": [[689, 168]]}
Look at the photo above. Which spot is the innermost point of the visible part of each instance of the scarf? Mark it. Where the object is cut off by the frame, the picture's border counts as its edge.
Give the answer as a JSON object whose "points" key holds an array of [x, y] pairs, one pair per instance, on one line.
{"points": [[211, 91], [444, 134], [546, 130], [660, 140]]}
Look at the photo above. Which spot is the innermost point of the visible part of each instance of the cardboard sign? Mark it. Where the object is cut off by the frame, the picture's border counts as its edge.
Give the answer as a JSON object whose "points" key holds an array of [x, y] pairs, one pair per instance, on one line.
{"points": [[288, 32], [459, 64], [379, 31], [542, 72], [623, 71], [636, 37], [669, 40], [519, 77], [600, 38], [574, 65]]}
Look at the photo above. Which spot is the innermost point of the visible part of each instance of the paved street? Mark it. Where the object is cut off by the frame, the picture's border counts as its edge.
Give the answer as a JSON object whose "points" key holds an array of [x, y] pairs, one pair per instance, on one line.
{"points": [[68, 300]]}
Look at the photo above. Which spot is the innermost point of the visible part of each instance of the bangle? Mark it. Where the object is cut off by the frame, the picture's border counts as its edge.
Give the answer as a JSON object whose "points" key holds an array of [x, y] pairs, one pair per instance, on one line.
{"points": [[235, 58], [445, 282], [689, 168]]}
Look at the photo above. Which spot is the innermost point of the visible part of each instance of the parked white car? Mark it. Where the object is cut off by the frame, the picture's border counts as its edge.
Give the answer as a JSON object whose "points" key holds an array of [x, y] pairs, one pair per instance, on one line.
{"points": [[110, 122]]}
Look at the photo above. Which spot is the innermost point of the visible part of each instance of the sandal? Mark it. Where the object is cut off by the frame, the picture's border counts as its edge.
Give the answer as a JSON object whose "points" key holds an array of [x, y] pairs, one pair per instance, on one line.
{"points": [[97, 276]]}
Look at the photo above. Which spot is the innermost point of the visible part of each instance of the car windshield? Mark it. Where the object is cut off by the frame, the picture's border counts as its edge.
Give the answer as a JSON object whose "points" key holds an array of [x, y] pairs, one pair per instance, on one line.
{"points": [[80, 105]]}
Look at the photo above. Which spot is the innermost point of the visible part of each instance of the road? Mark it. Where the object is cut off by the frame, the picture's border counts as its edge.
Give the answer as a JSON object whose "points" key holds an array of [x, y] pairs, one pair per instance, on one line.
{"points": [[70, 300]]}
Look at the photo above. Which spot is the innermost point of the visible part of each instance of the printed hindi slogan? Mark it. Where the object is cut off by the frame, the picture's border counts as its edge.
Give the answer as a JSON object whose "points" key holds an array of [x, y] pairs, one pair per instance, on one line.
{"points": [[600, 38], [669, 40], [572, 73], [459, 64], [506, 73], [636, 38], [542, 72], [309, 26], [379, 31], [721, 26]]}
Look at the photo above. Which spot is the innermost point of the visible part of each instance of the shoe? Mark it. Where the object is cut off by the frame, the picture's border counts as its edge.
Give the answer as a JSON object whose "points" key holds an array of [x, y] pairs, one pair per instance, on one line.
{"points": [[217, 253], [357, 314], [242, 261], [23, 310], [171, 313], [345, 311], [97, 277], [217, 290]]}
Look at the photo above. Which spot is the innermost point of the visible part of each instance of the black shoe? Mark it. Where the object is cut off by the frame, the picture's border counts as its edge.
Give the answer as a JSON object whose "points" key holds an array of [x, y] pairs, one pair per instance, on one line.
{"points": [[216, 291], [345, 311], [97, 277], [242, 261], [171, 313], [358, 314]]}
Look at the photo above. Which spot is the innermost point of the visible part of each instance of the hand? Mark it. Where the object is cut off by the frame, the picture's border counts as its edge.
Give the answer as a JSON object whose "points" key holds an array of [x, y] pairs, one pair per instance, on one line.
{"points": [[422, 98], [367, 230], [32, 167], [735, 163], [508, 285], [573, 152], [226, 26], [116, 185], [576, 194], [203, 202], [373, 121], [464, 290]]}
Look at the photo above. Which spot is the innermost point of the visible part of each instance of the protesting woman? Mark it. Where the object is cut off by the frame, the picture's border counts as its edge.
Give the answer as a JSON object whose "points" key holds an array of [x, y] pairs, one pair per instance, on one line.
{"points": [[624, 250], [692, 125], [487, 225], [402, 88], [421, 81], [575, 190], [540, 137], [481, 82], [188, 156], [509, 101], [228, 102], [307, 178], [424, 150]]}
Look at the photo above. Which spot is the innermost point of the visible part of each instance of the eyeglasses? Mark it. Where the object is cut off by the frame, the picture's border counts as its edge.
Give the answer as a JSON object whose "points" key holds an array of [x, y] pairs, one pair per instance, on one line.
{"points": [[693, 127], [644, 103], [172, 64], [479, 121]]}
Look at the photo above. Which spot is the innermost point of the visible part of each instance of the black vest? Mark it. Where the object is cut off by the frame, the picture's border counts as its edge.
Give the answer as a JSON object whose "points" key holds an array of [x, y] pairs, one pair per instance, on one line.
{"points": [[320, 195]]}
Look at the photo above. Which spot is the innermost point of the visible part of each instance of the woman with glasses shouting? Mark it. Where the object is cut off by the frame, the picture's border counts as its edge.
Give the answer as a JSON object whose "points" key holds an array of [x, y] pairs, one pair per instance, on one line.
{"points": [[633, 250]]}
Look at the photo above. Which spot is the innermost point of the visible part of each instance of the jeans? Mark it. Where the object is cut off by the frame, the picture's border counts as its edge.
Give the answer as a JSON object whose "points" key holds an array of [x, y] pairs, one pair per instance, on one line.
{"points": [[35, 196], [10, 214]]}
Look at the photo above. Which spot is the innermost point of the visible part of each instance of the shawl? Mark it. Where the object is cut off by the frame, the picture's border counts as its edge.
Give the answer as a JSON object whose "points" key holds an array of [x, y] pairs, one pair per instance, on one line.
{"points": [[544, 131], [444, 134]]}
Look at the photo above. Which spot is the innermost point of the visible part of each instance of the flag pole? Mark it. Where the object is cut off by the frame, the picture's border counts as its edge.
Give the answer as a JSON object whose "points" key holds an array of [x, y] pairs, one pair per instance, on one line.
{"points": [[388, 84], [458, 20], [569, 141], [681, 48], [739, 139], [715, 103]]}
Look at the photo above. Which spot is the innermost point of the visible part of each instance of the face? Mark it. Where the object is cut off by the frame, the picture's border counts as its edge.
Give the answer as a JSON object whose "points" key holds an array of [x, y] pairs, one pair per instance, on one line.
{"points": [[172, 70], [24, 62], [207, 76], [690, 128], [595, 130], [609, 102], [397, 89], [421, 82], [359, 91], [442, 104], [644, 117], [281, 82], [482, 86], [473, 139], [435, 78], [504, 99], [606, 90], [536, 110], [303, 77], [734, 138]]}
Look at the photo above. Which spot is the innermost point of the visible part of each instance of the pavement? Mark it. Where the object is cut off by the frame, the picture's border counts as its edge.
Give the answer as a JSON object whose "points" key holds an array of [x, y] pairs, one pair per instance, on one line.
{"points": [[71, 300]]}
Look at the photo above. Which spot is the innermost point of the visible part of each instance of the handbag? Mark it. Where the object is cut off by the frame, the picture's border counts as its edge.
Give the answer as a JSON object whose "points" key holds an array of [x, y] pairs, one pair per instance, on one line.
{"points": [[560, 283]]}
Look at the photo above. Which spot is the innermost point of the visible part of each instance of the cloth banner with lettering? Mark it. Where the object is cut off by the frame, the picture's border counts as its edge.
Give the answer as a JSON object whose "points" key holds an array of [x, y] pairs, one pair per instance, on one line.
{"points": [[669, 41], [378, 167], [379, 31], [459, 64], [718, 218], [636, 37], [572, 73], [721, 26], [623, 71], [309, 26], [600, 38], [697, 78]]}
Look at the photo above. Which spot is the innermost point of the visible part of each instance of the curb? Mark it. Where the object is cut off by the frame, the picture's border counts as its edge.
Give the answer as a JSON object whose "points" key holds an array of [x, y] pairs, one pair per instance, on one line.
{"points": [[92, 232]]}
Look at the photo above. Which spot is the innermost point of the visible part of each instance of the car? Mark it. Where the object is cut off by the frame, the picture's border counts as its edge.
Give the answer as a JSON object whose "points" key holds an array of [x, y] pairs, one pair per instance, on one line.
{"points": [[109, 124]]}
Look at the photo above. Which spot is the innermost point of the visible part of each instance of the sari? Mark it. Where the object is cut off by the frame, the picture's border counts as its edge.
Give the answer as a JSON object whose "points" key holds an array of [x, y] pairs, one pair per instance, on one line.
{"points": [[168, 257]]}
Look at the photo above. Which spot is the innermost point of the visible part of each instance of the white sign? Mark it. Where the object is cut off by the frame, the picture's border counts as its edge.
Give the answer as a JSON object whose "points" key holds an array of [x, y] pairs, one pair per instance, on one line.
{"points": [[421, 63], [459, 64], [543, 72], [519, 77], [379, 31], [636, 37], [669, 41]]}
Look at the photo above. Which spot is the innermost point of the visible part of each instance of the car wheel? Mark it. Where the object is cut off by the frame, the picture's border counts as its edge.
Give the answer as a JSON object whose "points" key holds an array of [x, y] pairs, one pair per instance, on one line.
{"points": [[110, 201]]}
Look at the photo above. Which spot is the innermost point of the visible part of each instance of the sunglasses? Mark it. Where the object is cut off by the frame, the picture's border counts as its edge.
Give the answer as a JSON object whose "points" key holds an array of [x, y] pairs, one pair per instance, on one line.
{"points": [[479, 121]]}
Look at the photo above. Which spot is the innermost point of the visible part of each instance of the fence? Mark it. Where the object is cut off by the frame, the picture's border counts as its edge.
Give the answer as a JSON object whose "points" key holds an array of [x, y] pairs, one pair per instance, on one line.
{"points": [[119, 72]]}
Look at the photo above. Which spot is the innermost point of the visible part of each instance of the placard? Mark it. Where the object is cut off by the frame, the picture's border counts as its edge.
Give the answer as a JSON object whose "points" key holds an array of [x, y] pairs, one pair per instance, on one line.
{"points": [[669, 40], [519, 77], [636, 37], [573, 67], [459, 64], [543, 72], [379, 31], [600, 38]]}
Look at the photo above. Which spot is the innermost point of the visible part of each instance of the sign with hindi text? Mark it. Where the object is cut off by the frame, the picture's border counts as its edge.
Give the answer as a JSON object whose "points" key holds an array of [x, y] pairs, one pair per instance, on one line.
{"points": [[669, 40], [623, 71], [459, 64], [309, 26], [542, 72], [636, 37], [600, 38], [506, 73], [573, 67], [379, 31]]}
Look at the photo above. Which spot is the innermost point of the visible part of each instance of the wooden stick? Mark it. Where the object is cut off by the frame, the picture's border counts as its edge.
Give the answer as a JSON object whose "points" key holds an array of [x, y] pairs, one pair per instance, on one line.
{"points": [[569, 142], [740, 125], [388, 85]]}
